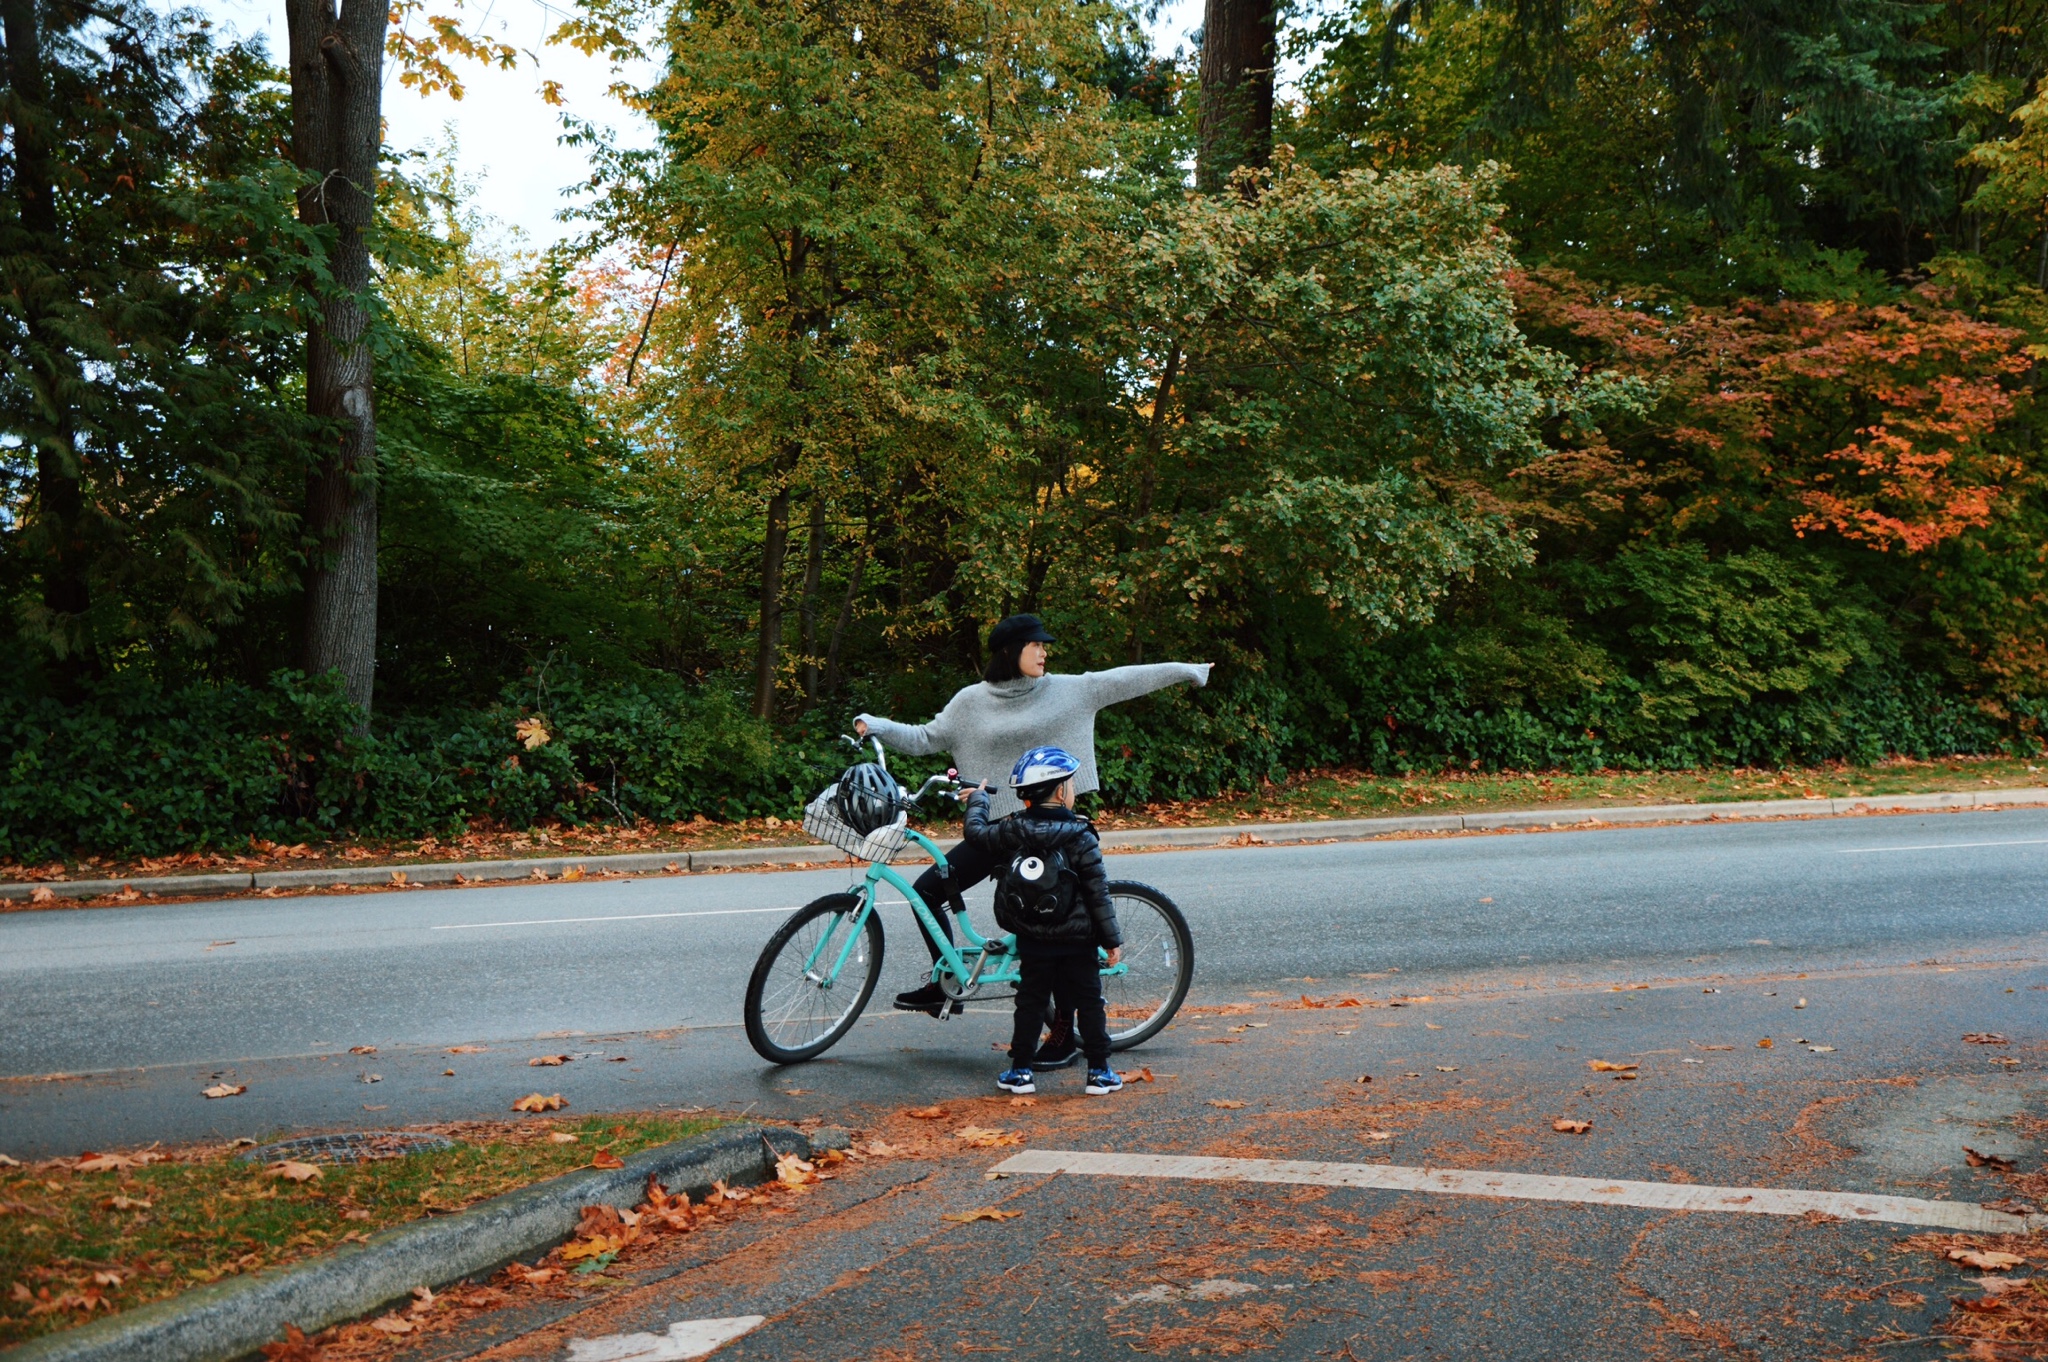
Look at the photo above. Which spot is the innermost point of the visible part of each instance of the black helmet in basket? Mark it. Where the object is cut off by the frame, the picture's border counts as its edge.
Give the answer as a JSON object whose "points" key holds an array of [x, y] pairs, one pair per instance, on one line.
{"points": [[866, 799]]}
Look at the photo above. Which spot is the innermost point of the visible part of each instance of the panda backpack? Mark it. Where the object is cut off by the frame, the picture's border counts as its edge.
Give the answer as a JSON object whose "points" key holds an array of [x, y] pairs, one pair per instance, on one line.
{"points": [[1036, 892]]}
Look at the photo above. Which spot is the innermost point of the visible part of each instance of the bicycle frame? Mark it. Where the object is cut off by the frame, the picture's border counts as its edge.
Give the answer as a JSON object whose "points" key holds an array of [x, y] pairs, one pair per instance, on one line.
{"points": [[967, 968]]}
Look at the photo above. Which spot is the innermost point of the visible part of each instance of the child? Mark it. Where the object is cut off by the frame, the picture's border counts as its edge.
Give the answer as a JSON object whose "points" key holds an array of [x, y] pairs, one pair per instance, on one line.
{"points": [[1052, 892]]}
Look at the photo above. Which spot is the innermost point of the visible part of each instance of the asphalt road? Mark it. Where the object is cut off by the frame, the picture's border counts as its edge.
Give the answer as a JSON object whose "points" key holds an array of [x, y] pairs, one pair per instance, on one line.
{"points": [[152, 1002], [1676, 949]]}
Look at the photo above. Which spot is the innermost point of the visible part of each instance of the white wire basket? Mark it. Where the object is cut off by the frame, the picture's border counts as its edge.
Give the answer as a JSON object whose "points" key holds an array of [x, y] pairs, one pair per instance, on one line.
{"points": [[823, 822]]}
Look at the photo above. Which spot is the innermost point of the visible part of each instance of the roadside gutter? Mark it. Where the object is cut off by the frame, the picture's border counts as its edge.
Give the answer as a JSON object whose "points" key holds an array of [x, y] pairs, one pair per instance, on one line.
{"points": [[1133, 839]]}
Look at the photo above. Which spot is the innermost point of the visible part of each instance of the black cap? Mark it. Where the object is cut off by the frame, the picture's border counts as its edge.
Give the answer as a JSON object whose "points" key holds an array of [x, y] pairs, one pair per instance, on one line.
{"points": [[1015, 630]]}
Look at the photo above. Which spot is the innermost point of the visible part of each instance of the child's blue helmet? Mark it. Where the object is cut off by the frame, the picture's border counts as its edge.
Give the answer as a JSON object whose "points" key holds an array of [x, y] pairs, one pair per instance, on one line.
{"points": [[1042, 766]]}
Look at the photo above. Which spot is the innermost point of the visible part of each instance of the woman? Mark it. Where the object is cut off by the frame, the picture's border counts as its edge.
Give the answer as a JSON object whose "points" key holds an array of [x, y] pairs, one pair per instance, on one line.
{"points": [[988, 725]]}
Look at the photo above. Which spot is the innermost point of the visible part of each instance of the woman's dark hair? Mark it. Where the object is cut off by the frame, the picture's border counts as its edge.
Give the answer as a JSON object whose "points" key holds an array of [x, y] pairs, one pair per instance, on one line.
{"points": [[1002, 664]]}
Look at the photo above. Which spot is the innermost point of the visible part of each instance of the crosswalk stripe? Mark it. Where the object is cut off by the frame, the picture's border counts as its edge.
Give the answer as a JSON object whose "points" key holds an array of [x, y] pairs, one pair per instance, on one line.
{"points": [[1669, 1196]]}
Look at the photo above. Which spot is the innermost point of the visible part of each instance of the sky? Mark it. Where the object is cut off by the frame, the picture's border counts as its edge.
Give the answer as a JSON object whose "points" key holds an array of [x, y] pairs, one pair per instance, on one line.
{"points": [[507, 139]]}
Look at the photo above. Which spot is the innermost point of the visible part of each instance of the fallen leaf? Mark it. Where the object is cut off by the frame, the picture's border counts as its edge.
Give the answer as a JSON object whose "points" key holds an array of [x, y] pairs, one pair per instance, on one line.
{"points": [[1714, 1047], [393, 1324], [1602, 1066], [1985, 1038], [604, 1158], [1822, 1049], [423, 1300], [547, 1061], [926, 1113], [373, 1078], [1996, 1163], [1143, 1075], [1905, 1300], [574, 872], [985, 1213], [1564, 1127], [880, 1150], [126, 1203], [1378, 1135], [1986, 1260], [2013, 1205], [797, 1092], [980, 1137], [90, 1162], [42, 893], [532, 1276], [6, 1162], [1764, 1044], [561, 1137], [293, 1171], [1363, 1078], [1446, 1068], [1227, 1103], [106, 1278], [1626, 1077], [225, 1090], [467, 1049], [533, 1101], [1023, 1101], [793, 1171], [532, 732], [369, 1050], [399, 880]]}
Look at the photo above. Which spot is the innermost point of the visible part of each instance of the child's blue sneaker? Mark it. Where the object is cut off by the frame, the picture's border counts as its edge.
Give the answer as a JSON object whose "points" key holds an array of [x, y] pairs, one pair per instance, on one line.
{"points": [[1018, 1080], [1103, 1081]]}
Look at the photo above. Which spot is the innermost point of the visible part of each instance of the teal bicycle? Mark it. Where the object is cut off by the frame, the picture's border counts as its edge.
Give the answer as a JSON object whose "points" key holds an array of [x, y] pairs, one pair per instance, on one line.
{"points": [[820, 968]]}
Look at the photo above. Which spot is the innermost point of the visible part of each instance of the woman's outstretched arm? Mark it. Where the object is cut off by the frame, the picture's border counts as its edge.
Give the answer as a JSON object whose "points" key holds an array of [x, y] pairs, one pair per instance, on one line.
{"points": [[1128, 683], [913, 740]]}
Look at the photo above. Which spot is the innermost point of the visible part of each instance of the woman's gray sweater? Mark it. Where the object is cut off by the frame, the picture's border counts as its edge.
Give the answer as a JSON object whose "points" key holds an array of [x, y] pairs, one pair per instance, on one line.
{"points": [[988, 725]]}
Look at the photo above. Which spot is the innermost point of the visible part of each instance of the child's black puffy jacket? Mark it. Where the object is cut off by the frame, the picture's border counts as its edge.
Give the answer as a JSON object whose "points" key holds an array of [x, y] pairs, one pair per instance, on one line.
{"points": [[1048, 827]]}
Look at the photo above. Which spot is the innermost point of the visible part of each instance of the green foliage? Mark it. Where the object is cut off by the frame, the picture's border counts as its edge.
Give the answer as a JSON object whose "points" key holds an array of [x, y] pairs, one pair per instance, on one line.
{"points": [[134, 769]]}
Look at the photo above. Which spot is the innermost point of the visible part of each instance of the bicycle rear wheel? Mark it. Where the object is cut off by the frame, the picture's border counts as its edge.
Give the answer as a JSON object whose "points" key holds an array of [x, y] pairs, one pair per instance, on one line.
{"points": [[1159, 953], [795, 1009]]}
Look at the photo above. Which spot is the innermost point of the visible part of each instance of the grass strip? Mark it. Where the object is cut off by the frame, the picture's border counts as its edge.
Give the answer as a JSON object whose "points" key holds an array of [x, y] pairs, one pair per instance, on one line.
{"points": [[101, 1234]]}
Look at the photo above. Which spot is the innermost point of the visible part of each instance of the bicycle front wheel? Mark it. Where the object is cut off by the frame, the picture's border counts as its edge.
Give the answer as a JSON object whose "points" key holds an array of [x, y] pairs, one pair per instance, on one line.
{"points": [[800, 1000], [1159, 955]]}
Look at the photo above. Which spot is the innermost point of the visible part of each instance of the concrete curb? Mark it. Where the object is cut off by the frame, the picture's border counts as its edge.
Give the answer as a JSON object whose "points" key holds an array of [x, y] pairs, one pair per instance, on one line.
{"points": [[1334, 830], [235, 1318]]}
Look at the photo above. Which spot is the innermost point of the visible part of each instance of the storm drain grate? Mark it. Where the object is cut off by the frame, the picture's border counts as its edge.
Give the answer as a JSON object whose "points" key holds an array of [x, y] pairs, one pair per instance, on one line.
{"points": [[355, 1146]]}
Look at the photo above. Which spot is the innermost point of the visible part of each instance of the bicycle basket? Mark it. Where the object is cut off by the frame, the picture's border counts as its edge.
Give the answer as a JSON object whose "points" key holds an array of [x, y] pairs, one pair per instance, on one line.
{"points": [[822, 821]]}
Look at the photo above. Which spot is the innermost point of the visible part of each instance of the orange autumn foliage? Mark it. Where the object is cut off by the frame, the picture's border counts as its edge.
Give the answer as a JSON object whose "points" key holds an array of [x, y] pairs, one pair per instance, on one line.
{"points": [[1869, 422]]}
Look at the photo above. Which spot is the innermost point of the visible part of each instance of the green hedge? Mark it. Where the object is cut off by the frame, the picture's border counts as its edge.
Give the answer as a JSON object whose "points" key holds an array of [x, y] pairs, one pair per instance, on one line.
{"points": [[137, 771]]}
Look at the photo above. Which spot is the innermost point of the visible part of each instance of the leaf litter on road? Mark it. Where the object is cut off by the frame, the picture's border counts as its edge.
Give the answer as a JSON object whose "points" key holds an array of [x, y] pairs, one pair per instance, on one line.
{"points": [[984, 1213], [534, 1101]]}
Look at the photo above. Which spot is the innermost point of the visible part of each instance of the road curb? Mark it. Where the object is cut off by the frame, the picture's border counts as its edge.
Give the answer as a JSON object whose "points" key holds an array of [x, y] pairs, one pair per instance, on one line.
{"points": [[236, 1318], [1133, 839]]}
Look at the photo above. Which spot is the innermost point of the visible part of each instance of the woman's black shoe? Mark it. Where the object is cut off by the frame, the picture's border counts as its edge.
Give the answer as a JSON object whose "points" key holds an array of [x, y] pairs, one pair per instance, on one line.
{"points": [[926, 999]]}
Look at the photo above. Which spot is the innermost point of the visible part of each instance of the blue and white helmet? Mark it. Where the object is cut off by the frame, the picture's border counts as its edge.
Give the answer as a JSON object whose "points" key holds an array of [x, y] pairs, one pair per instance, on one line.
{"points": [[1040, 766]]}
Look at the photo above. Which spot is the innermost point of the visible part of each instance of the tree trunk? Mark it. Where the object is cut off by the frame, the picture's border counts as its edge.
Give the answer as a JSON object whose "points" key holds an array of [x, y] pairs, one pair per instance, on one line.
{"points": [[814, 573], [774, 550], [854, 577], [336, 74], [1239, 41], [57, 527]]}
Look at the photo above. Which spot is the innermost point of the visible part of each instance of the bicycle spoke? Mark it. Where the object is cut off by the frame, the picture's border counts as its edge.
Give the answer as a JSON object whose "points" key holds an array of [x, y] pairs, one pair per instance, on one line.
{"points": [[797, 1007], [1152, 957]]}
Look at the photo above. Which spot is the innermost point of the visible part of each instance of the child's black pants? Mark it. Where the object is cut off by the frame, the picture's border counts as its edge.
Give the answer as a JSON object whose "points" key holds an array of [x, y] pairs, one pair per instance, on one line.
{"points": [[1073, 982]]}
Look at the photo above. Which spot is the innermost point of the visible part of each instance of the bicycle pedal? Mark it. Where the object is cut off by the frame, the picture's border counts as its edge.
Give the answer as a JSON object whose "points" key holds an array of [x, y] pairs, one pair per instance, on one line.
{"points": [[955, 1010]]}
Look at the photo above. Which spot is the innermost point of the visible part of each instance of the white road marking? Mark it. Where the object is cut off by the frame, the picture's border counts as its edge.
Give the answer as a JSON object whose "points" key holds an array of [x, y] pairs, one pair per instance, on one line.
{"points": [[618, 917], [684, 1339], [1941, 846], [1666, 1196], [633, 917]]}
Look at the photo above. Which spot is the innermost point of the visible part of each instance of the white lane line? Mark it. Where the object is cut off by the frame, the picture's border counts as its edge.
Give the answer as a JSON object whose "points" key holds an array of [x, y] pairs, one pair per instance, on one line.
{"points": [[684, 1339], [1666, 1196], [616, 917], [628, 917], [1941, 846]]}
